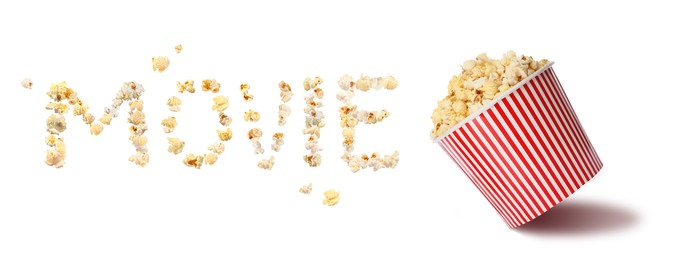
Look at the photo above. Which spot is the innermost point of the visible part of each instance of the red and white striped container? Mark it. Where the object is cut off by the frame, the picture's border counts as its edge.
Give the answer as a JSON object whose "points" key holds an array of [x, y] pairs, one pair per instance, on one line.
{"points": [[526, 151]]}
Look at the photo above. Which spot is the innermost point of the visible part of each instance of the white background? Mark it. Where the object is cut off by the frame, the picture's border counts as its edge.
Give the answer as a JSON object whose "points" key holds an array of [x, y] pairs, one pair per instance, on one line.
{"points": [[614, 60]]}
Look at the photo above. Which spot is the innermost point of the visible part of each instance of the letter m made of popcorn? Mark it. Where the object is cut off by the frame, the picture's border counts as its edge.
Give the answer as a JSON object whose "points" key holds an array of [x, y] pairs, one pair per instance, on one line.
{"points": [[64, 98]]}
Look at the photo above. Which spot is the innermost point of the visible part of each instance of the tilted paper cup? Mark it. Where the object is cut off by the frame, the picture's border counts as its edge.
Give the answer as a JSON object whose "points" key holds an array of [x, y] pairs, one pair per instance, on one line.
{"points": [[525, 152]]}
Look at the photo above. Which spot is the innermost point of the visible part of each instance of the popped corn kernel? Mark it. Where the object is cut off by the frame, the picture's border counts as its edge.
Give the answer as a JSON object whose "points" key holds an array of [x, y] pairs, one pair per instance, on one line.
{"points": [[137, 105], [58, 107], [251, 115], [56, 155], [174, 103], [266, 164], [169, 124], [56, 123], [179, 48], [286, 91], [194, 161], [27, 83], [136, 117], [244, 90], [140, 158], [160, 63], [105, 118], [50, 140], [88, 118], [306, 189], [220, 103], [283, 113], [210, 158], [217, 148], [254, 133], [95, 128], [188, 86], [331, 197], [225, 135], [210, 85], [80, 108], [138, 141], [225, 120], [175, 145], [481, 80], [313, 160], [278, 142]]}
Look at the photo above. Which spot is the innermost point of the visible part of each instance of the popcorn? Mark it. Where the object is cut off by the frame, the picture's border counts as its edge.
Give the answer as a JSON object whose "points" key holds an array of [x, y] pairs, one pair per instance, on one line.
{"points": [[251, 115], [56, 123], [278, 142], [481, 81], [141, 158], [188, 86], [175, 145], [194, 161], [179, 48], [27, 83], [283, 113], [57, 154], [266, 164], [95, 128], [57, 107], [350, 116], [210, 158], [88, 118], [210, 85], [306, 189], [169, 124], [136, 117], [60, 93], [314, 120], [220, 103], [225, 120], [331, 197], [174, 103], [244, 90], [286, 91], [225, 135], [160, 63], [217, 148]]}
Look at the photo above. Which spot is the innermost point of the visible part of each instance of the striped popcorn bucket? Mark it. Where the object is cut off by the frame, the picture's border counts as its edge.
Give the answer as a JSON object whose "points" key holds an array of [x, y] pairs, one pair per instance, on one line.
{"points": [[526, 151]]}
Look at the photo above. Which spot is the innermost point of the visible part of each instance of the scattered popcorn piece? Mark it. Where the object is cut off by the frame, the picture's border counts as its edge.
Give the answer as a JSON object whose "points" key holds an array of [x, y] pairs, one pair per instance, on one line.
{"points": [[217, 148], [141, 158], [283, 113], [210, 85], [105, 118], [331, 197], [169, 124], [179, 48], [251, 115], [56, 123], [137, 105], [225, 120], [56, 155], [27, 83], [160, 63], [88, 118], [221, 103], [175, 145], [188, 86], [481, 81], [225, 135], [210, 158], [80, 108], [286, 91], [95, 128], [58, 107], [138, 141], [136, 117], [194, 161], [266, 164], [174, 103], [254, 133], [244, 90], [306, 189], [278, 142], [313, 160]]}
